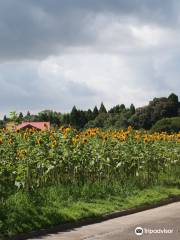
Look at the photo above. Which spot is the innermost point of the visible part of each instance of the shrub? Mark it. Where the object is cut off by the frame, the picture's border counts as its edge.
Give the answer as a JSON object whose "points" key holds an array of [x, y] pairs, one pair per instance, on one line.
{"points": [[167, 125]]}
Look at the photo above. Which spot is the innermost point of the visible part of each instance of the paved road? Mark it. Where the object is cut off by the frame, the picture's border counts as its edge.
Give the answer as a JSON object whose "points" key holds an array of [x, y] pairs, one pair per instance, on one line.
{"points": [[166, 218]]}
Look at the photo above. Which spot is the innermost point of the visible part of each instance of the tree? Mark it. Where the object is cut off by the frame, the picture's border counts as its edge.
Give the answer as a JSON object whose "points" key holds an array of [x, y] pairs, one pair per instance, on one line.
{"points": [[102, 108], [174, 98], [28, 116], [82, 120], [65, 119], [5, 118], [132, 109], [20, 117], [2, 124], [95, 112], [13, 116], [122, 107], [51, 116], [89, 115], [157, 109], [116, 109], [99, 121], [43, 116], [167, 125], [74, 117]]}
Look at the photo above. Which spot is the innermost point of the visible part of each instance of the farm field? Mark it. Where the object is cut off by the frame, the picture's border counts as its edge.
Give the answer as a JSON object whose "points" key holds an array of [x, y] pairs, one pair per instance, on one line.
{"points": [[61, 175]]}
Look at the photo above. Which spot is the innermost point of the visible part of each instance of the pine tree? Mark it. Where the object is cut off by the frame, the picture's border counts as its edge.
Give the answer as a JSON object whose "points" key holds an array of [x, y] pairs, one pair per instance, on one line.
{"points": [[74, 117], [95, 112], [132, 109], [102, 108], [5, 118]]}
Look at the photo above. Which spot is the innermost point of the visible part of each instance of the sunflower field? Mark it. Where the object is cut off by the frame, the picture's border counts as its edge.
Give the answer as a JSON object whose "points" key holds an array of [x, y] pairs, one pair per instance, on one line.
{"points": [[32, 159]]}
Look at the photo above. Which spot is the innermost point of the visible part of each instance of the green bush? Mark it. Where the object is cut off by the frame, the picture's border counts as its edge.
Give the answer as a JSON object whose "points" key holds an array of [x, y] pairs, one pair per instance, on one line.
{"points": [[167, 125]]}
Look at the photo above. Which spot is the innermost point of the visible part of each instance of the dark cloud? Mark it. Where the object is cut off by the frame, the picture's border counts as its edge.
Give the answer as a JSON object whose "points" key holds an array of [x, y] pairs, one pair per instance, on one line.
{"points": [[57, 53], [31, 29]]}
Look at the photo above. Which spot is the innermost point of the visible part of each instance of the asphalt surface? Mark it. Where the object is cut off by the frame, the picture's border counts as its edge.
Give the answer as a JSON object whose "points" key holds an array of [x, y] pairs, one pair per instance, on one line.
{"points": [[159, 223]]}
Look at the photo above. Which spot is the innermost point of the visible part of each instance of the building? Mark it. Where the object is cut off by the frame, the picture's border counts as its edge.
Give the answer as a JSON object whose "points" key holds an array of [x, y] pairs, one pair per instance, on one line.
{"points": [[35, 125]]}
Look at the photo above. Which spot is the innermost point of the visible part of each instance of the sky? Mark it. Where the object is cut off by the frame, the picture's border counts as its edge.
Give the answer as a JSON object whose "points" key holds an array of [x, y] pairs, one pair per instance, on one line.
{"points": [[58, 53]]}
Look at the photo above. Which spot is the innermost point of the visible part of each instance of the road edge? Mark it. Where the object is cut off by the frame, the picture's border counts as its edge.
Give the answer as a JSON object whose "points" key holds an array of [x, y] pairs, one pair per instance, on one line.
{"points": [[87, 221]]}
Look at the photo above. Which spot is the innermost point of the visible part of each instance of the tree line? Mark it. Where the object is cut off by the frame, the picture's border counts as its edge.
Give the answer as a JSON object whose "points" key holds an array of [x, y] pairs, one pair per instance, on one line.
{"points": [[118, 116]]}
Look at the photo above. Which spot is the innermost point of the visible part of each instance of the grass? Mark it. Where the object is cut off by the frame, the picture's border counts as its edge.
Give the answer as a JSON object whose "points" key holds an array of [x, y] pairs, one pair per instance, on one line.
{"points": [[23, 212]]}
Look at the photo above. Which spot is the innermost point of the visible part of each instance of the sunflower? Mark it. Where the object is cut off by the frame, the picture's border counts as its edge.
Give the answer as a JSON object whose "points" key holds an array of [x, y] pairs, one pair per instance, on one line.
{"points": [[85, 140]]}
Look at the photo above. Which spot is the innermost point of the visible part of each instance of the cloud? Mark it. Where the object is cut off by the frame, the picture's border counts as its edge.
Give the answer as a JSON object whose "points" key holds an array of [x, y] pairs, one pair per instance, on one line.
{"points": [[55, 54], [32, 86], [37, 29]]}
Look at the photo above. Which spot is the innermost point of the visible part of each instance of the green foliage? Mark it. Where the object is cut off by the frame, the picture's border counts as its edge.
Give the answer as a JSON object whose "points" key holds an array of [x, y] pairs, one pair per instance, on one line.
{"points": [[78, 118], [174, 98], [23, 212], [146, 117], [102, 109], [65, 119], [132, 109], [13, 116], [20, 117], [167, 125], [2, 124], [49, 116], [117, 109], [95, 112], [34, 159], [117, 117], [28, 117], [56, 176], [5, 118], [111, 119], [99, 121], [89, 115]]}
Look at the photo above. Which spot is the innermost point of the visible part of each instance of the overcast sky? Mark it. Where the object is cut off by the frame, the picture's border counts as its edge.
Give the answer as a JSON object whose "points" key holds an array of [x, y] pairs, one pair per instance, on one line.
{"points": [[58, 53]]}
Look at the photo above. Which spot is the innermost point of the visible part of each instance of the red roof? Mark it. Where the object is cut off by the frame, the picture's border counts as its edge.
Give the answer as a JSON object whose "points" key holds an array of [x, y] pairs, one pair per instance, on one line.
{"points": [[37, 125]]}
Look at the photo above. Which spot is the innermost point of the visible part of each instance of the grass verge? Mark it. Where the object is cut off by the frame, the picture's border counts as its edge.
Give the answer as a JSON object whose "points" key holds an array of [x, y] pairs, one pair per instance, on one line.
{"points": [[23, 212]]}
